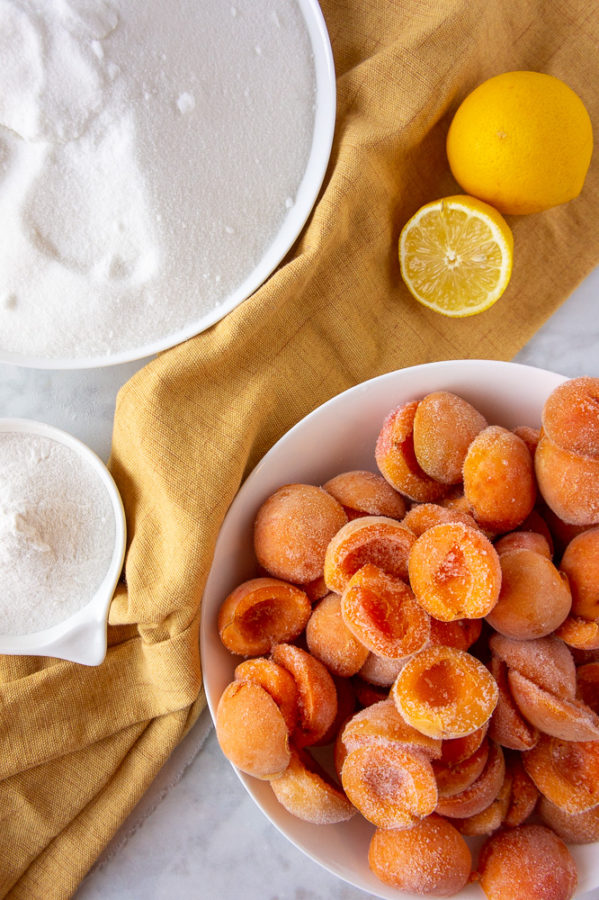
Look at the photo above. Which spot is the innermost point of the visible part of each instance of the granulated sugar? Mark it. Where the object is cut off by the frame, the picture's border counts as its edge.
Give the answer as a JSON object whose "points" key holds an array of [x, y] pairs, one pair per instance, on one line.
{"points": [[57, 532], [149, 154]]}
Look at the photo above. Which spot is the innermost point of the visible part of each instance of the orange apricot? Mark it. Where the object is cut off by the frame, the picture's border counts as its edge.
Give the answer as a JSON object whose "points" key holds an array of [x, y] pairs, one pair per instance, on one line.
{"points": [[570, 416], [316, 692], [587, 684], [367, 693], [538, 523], [455, 778], [346, 706], [444, 427], [507, 726], [363, 493], [568, 482], [570, 720], [575, 828], [460, 633], [579, 634], [580, 562], [381, 723], [546, 661], [331, 641], [444, 692], [524, 540], [523, 792], [276, 680], [261, 612], [454, 572], [529, 435], [292, 529], [432, 857], [499, 482], [481, 793], [491, 817], [390, 785], [534, 597], [306, 791], [380, 670], [382, 613], [251, 730], [396, 458], [566, 772], [528, 861], [423, 516], [457, 750], [378, 540]]}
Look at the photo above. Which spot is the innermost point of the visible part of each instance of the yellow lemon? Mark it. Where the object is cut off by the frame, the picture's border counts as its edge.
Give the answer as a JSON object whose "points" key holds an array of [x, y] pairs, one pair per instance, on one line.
{"points": [[456, 255], [522, 141]]}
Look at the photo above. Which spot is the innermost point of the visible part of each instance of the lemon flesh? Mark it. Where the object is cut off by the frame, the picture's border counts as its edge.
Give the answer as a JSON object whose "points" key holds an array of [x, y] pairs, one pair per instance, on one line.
{"points": [[455, 255]]}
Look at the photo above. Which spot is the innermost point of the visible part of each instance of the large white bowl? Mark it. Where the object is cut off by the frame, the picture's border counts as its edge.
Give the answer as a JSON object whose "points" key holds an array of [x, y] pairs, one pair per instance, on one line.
{"points": [[82, 637], [339, 436], [304, 199]]}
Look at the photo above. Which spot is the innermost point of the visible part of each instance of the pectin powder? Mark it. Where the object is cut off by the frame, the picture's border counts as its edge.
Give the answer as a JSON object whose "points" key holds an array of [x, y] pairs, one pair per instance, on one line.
{"points": [[149, 154], [57, 532]]}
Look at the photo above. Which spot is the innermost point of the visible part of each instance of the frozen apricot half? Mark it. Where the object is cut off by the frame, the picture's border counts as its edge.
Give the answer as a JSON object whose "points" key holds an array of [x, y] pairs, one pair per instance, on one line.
{"points": [[524, 794], [423, 516], [570, 415], [396, 458], [455, 778], [491, 817], [444, 692], [331, 641], [276, 680], [456, 750], [292, 529], [546, 661], [566, 772], [578, 633], [580, 562], [444, 427], [508, 727], [568, 483], [432, 858], [381, 723], [528, 861], [251, 730], [571, 720], [317, 695], [363, 493], [524, 540], [381, 612], [481, 793], [534, 597], [306, 791], [499, 482], [389, 785], [587, 684], [261, 612], [529, 435], [459, 633], [378, 540], [574, 828], [380, 670], [454, 572]]}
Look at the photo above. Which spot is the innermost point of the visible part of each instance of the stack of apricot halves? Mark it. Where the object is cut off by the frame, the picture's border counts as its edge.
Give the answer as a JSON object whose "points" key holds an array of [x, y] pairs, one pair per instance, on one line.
{"points": [[436, 624]]}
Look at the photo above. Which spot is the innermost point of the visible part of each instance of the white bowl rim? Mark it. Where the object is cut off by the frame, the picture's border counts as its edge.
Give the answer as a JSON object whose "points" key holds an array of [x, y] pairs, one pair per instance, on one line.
{"points": [[81, 637], [305, 199], [441, 375]]}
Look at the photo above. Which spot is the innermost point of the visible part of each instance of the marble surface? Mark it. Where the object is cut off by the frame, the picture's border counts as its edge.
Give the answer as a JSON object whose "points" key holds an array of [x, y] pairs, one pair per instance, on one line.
{"points": [[197, 833]]}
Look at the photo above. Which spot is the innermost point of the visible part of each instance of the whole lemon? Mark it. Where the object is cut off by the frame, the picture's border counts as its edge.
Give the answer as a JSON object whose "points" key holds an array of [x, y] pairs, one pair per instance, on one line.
{"points": [[521, 141]]}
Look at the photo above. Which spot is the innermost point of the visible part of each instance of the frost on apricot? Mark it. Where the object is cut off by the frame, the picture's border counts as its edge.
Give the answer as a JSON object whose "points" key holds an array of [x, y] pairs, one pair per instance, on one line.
{"points": [[566, 772], [534, 598], [381, 612], [363, 493], [481, 793], [508, 727], [381, 723], [580, 562], [524, 794], [275, 680], [261, 612], [251, 730], [396, 458], [390, 785], [454, 572], [305, 790], [331, 641], [574, 828], [568, 483], [546, 661], [444, 427], [499, 482], [527, 861], [570, 720], [378, 540], [292, 530], [579, 634], [430, 858], [316, 693], [570, 416], [455, 778], [444, 692], [423, 516]]}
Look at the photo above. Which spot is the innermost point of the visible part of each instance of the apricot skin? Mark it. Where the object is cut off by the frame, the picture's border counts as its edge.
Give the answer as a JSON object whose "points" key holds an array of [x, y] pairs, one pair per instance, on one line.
{"points": [[580, 562], [571, 415], [568, 483], [363, 493], [444, 427], [251, 730]]}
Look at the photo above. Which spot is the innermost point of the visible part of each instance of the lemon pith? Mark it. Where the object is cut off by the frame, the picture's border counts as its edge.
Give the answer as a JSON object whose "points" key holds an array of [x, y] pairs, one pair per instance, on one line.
{"points": [[456, 255]]}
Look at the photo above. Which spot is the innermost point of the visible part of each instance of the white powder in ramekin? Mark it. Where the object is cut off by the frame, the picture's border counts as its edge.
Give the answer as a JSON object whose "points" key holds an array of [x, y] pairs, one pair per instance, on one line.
{"points": [[57, 532], [149, 154]]}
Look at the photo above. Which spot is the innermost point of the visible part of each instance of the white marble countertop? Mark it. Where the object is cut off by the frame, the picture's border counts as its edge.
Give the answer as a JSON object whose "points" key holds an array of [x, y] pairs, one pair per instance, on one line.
{"points": [[197, 833]]}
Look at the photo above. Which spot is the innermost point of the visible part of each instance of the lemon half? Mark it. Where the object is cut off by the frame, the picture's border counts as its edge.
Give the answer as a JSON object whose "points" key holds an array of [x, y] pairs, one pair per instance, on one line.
{"points": [[456, 255]]}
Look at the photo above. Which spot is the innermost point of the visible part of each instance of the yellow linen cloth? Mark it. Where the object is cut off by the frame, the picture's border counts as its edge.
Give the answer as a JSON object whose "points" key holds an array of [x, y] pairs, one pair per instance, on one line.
{"points": [[81, 745]]}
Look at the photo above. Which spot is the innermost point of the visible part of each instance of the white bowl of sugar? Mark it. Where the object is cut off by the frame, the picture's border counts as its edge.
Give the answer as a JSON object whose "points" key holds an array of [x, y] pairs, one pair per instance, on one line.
{"points": [[62, 544]]}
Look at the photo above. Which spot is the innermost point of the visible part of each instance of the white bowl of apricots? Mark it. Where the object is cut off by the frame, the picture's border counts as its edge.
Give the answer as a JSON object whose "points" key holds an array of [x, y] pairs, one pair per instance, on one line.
{"points": [[400, 633]]}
